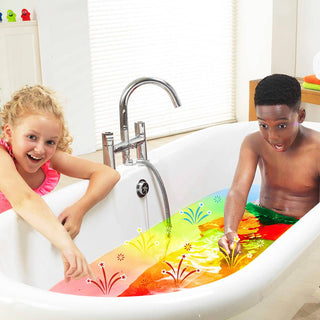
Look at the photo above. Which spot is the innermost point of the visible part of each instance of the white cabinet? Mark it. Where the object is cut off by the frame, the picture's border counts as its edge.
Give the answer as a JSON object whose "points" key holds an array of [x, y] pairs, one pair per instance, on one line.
{"points": [[19, 57]]}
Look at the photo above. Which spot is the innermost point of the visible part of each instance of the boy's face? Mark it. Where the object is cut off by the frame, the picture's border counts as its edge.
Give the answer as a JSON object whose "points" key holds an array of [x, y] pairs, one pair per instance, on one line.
{"points": [[279, 125]]}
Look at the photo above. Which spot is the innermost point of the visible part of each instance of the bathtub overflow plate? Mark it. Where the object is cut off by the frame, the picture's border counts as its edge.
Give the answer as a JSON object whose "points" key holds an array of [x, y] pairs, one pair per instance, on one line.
{"points": [[142, 188]]}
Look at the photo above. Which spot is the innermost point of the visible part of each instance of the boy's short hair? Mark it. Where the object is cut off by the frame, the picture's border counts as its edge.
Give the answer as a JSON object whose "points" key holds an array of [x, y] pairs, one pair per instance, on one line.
{"points": [[278, 89]]}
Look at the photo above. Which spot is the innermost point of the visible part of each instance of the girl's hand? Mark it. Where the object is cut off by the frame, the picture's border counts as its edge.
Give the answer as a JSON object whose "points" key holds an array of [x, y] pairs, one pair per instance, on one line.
{"points": [[71, 219], [75, 264], [229, 242], [101, 181]]}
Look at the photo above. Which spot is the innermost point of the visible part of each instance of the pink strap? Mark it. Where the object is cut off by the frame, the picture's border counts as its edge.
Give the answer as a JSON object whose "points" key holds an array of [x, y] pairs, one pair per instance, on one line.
{"points": [[9, 148], [50, 181]]}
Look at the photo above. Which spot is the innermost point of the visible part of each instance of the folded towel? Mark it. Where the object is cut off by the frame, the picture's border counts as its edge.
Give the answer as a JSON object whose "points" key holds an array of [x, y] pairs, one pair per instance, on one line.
{"points": [[311, 79], [311, 86]]}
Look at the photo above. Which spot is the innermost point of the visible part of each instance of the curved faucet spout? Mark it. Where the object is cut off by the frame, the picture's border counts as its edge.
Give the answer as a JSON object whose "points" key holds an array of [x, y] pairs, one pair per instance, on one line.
{"points": [[123, 107]]}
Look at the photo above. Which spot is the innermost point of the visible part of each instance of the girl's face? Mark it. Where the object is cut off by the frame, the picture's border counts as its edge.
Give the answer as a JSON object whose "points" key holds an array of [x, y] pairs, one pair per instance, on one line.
{"points": [[34, 139]]}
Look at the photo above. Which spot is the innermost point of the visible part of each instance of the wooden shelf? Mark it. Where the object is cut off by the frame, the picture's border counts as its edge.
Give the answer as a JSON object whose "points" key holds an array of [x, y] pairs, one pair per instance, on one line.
{"points": [[308, 96]]}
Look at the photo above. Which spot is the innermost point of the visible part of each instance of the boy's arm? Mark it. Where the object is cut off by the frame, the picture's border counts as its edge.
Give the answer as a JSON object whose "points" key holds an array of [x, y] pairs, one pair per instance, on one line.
{"points": [[101, 178], [238, 193]]}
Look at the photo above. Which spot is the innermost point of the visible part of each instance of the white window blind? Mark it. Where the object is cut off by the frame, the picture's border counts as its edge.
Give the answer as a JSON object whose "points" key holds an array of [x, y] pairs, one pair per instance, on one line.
{"points": [[189, 44]]}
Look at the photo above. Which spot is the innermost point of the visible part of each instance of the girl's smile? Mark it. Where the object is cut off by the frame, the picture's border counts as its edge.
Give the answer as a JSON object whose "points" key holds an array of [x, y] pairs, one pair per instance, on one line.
{"points": [[34, 140]]}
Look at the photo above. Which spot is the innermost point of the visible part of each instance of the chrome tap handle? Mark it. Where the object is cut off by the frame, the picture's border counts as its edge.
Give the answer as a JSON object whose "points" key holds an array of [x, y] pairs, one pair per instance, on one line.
{"points": [[140, 130], [108, 149]]}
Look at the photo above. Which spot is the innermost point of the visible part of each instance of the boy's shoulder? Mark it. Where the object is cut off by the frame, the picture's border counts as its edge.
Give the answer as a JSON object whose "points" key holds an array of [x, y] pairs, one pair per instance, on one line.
{"points": [[253, 141], [310, 135], [310, 129], [253, 137]]}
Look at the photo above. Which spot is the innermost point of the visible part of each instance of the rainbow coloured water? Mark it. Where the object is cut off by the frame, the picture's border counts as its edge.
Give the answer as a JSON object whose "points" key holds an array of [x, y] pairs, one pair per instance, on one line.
{"points": [[152, 264]]}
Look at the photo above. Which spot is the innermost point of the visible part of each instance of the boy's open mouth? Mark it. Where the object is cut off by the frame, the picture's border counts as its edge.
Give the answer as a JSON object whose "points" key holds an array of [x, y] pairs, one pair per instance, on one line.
{"points": [[278, 147]]}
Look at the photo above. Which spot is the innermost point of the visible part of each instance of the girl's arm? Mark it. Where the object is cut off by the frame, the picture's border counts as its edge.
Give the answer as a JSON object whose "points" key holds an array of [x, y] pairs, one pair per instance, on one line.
{"points": [[33, 209], [101, 178], [238, 193]]}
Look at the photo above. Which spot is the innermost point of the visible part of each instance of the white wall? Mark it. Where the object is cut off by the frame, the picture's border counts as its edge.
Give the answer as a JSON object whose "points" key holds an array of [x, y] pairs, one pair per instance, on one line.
{"points": [[284, 30], [254, 41], [308, 45], [65, 60], [276, 36], [272, 36]]}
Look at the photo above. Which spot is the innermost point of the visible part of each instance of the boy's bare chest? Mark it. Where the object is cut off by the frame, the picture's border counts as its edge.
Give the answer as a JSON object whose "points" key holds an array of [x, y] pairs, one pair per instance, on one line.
{"points": [[291, 171]]}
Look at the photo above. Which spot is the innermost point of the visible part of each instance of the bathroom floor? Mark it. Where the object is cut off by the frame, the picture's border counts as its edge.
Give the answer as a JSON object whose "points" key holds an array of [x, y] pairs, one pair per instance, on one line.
{"points": [[309, 311]]}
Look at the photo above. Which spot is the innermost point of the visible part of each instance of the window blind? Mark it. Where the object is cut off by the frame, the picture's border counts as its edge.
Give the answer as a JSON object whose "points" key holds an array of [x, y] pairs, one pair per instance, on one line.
{"points": [[189, 44]]}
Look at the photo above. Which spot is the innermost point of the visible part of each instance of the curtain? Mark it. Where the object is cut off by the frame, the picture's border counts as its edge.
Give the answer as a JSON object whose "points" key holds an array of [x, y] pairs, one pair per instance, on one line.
{"points": [[189, 44]]}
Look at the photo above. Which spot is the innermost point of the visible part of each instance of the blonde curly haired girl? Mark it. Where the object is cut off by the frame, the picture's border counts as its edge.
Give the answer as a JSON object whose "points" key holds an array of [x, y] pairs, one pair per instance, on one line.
{"points": [[34, 150]]}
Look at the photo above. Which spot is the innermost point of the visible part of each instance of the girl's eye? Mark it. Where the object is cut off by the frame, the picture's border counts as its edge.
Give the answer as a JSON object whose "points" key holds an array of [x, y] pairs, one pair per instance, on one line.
{"points": [[51, 142], [31, 137], [282, 126]]}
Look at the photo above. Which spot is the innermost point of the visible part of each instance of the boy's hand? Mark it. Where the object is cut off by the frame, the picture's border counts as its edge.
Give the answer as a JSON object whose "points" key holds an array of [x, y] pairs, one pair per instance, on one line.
{"points": [[229, 242]]}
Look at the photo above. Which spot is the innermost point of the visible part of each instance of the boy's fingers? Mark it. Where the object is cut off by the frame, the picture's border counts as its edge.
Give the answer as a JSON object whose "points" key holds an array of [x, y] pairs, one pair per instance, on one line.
{"points": [[238, 248], [224, 245], [235, 246], [229, 244]]}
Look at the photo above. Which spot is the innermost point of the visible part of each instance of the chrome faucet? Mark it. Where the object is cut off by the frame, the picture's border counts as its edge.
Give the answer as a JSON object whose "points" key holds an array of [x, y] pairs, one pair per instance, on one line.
{"points": [[139, 141]]}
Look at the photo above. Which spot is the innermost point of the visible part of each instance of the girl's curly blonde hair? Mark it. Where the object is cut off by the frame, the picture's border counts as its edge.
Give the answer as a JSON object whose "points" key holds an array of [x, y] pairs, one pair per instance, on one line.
{"points": [[34, 100]]}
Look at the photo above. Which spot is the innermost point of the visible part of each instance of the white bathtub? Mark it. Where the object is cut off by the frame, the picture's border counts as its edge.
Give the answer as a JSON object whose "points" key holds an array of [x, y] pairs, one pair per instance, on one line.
{"points": [[276, 283]]}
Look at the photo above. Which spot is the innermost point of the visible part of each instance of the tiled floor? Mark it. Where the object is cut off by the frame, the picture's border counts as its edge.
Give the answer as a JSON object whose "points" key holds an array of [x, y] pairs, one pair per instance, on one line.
{"points": [[309, 311]]}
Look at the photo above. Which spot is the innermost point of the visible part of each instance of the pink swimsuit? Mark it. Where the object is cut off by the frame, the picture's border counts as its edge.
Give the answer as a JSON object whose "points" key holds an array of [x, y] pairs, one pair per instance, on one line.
{"points": [[51, 180]]}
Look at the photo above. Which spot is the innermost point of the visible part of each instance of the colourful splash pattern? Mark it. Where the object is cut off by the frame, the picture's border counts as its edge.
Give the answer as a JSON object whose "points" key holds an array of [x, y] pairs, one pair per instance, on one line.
{"points": [[152, 263]]}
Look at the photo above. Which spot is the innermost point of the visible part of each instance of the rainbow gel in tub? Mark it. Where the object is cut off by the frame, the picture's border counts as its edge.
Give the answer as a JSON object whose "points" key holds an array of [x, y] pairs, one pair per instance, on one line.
{"points": [[142, 274], [154, 263]]}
